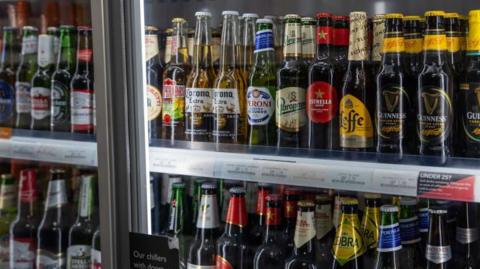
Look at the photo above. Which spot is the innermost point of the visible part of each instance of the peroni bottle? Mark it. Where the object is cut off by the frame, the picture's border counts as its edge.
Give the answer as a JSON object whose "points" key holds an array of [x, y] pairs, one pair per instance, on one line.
{"points": [[412, 254], [438, 251], [389, 244], [467, 237], [8, 211], [370, 227]]}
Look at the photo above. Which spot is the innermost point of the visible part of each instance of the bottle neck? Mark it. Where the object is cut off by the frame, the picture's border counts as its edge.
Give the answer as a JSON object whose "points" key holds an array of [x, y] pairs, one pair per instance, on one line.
{"points": [[67, 54], [179, 45], [229, 43], [435, 47], [202, 52], [27, 209], [264, 47], [9, 53], [292, 45]]}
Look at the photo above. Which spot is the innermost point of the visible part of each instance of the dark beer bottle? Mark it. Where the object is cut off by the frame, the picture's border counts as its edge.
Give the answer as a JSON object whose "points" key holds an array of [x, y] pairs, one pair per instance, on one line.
{"points": [[292, 82], [199, 95], [81, 232], [467, 237], [290, 200], [341, 33], [154, 68], [258, 223], [322, 96], [324, 230], [96, 254], [61, 78], [82, 95], [232, 246], [435, 92], [174, 82], [202, 251], [53, 230], [309, 34], [23, 231], [438, 251], [25, 72], [412, 32], [454, 46], [389, 244], [8, 211], [369, 225], [412, 254], [8, 68], [357, 104]]}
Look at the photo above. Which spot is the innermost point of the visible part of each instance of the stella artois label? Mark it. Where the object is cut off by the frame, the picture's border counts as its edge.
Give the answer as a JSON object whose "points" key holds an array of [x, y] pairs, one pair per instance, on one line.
{"points": [[321, 102], [348, 243], [356, 128], [304, 228]]}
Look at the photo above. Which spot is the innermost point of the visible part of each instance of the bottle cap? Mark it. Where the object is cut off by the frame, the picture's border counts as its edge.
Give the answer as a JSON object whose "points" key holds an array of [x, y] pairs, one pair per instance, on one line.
{"points": [[269, 17], [292, 16], [438, 211], [209, 186], [273, 197], [29, 28], [230, 12], [308, 20], [265, 20], [178, 20], [394, 16], [178, 185], [322, 198], [250, 15], [474, 15], [452, 16], [9, 28], [388, 208], [321, 15], [408, 201], [151, 28], [305, 203], [411, 18], [237, 190], [435, 13], [203, 14], [52, 29], [378, 18], [6, 176], [346, 201]]}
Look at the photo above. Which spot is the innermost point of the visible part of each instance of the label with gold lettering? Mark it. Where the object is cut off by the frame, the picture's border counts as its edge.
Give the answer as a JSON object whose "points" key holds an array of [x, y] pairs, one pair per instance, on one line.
{"points": [[435, 42], [393, 44], [392, 112], [435, 115], [348, 243], [290, 109], [356, 128], [453, 42], [413, 43], [293, 40], [470, 117]]}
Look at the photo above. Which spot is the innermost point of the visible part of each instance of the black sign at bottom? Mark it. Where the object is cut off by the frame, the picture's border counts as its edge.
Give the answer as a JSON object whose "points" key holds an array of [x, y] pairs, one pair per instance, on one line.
{"points": [[153, 252]]}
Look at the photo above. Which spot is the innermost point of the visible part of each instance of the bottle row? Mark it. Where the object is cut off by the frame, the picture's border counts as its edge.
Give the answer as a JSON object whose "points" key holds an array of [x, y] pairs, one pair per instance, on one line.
{"points": [[401, 87], [46, 80], [292, 227], [64, 235]]}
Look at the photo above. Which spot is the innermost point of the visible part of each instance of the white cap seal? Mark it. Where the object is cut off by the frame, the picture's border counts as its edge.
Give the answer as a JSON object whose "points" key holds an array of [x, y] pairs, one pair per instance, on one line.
{"points": [[408, 201], [389, 208], [250, 15], [264, 21], [203, 14], [230, 12]]}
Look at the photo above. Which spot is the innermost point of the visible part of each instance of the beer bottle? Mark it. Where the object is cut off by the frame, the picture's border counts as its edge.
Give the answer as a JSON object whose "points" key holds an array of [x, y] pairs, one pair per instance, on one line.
{"points": [[8, 211], [271, 253], [52, 238], [412, 254], [463, 35], [377, 44], [60, 109], [96, 254], [370, 223], [23, 230], [168, 46], [423, 220], [290, 198], [292, 82], [412, 29], [467, 237], [8, 67], [324, 230], [202, 251], [435, 92], [348, 246], [81, 233], [357, 105], [25, 72], [216, 40], [247, 42], [451, 217], [308, 39], [322, 96], [154, 68], [190, 41], [232, 246], [174, 82], [341, 33], [262, 88], [454, 47], [198, 100], [229, 106], [468, 97], [393, 98], [438, 250], [389, 245], [258, 222], [41, 83], [82, 95]]}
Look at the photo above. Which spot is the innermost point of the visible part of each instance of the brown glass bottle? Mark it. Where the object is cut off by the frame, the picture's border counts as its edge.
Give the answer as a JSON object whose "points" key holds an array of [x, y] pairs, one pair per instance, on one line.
{"points": [[154, 69], [290, 198], [341, 32], [412, 28], [454, 46], [438, 250], [324, 230]]}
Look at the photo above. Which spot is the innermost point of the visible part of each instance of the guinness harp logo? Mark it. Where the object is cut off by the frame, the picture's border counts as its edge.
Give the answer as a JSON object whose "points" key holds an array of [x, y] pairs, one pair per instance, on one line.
{"points": [[430, 101], [391, 99]]}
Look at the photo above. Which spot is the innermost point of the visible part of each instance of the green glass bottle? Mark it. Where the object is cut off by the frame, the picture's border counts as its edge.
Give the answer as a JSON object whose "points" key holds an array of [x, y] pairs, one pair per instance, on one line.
{"points": [[8, 66], [262, 87], [412, 253], [389, 244], [8, 212]]}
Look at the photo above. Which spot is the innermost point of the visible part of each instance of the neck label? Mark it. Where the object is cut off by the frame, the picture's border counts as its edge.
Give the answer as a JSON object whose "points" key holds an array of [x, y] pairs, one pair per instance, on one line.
{"points": [[56, 194], [264, 41], [389, 240], [304, 229], [208, 214]]}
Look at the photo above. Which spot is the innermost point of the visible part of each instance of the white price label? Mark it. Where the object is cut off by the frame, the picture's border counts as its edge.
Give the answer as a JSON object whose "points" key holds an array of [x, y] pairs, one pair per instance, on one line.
{"points": [[395, 182], [238, 170]]}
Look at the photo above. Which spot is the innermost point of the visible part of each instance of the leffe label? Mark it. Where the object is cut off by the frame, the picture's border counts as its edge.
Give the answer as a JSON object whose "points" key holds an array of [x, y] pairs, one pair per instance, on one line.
{"points": [[290, 109], [304, 228], [82, 109], [22, 97], [6, 101], [389, 240], [40, 98], [208, 213], [154, 102], [260, 105], [348, 243], [467, 235], [370, 224], [60, 101], [435, 116], [322, 102], [323, 219], [50, 260], [22, 253], [358, 45], [356, 128], [438, 254], [56, 193], [78, 257]]}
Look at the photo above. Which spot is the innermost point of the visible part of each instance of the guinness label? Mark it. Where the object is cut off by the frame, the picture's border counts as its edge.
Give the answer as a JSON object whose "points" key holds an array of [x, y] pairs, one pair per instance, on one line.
{"points": [[435, 116], [470, 117], [392, 113]]}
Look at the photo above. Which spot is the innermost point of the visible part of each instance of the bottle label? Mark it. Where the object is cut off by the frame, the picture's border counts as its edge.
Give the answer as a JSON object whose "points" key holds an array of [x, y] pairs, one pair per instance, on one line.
{"points": [[50, 260], [290, 209], [438, 254], [293, 40], [424, 220], [389, 240], [409, 231], [325, 35], [261, 201], [467, 235], [6, 101], [222, 263], [323, 220], [348, 243], [358, 43], [304, 228], [8, 196], [28, 181], [237, 212], [86, 197], [435, 42], [173, 225], [470, 117], [435, 116], [168, 48], [393, 45], [85, 55], [392, 113], [60, 104], [208, 215], [151, 46], [82, 109], [473, 40], [370, 223], [356, 129], [56, 193], [322, 102], [29, 45], [260, 105], [193, 266], [198, 100], [154, 102], [290, 109], [413, 44], [341, 36], [308, 41], [22, 97], [226, 101], [272, 216], [377, 45], [173, 102], [40, 98], [264, 41], [453, 44], [46, 55], [23, 253], [96, 259], [78, 257]]}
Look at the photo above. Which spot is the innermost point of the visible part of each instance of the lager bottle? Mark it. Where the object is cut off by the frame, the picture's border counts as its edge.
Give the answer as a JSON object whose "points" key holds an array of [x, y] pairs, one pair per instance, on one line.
{"points": [[41, 83], [96, 254], [23, 230], [389, 245], [304, 240], [308, 39], [229, 106], [292, 82], [290, 198], [379, 28], [357, 105], [154, 68], [348, 246], [412, 29], [258, 223], [216, 40], [232, 247], [168, 45], [8, 211], [423, 220], [435, 92], [25, 72], [412, 253], [454, 46], [61, 78], [203, 248], [322, 96], [341, 33], [262, 88], [81, 233], [247, 42], [369, 226], [438, 250], [271, 253], [82, 95], [8, 67], [198, 100], [467, 237], [53, 230], [174, 82], [324, 230]]}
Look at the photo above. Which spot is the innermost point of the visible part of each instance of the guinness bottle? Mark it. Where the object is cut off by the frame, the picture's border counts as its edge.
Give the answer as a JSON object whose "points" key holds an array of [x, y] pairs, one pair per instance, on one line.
{"points": [[454, 45], [438, 251], [413, 44], [389, 245], [467, 237], [154, 69]]}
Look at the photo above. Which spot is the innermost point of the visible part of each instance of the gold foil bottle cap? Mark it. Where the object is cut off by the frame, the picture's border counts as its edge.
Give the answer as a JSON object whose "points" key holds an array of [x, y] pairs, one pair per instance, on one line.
{"points": [[358, 43]]}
